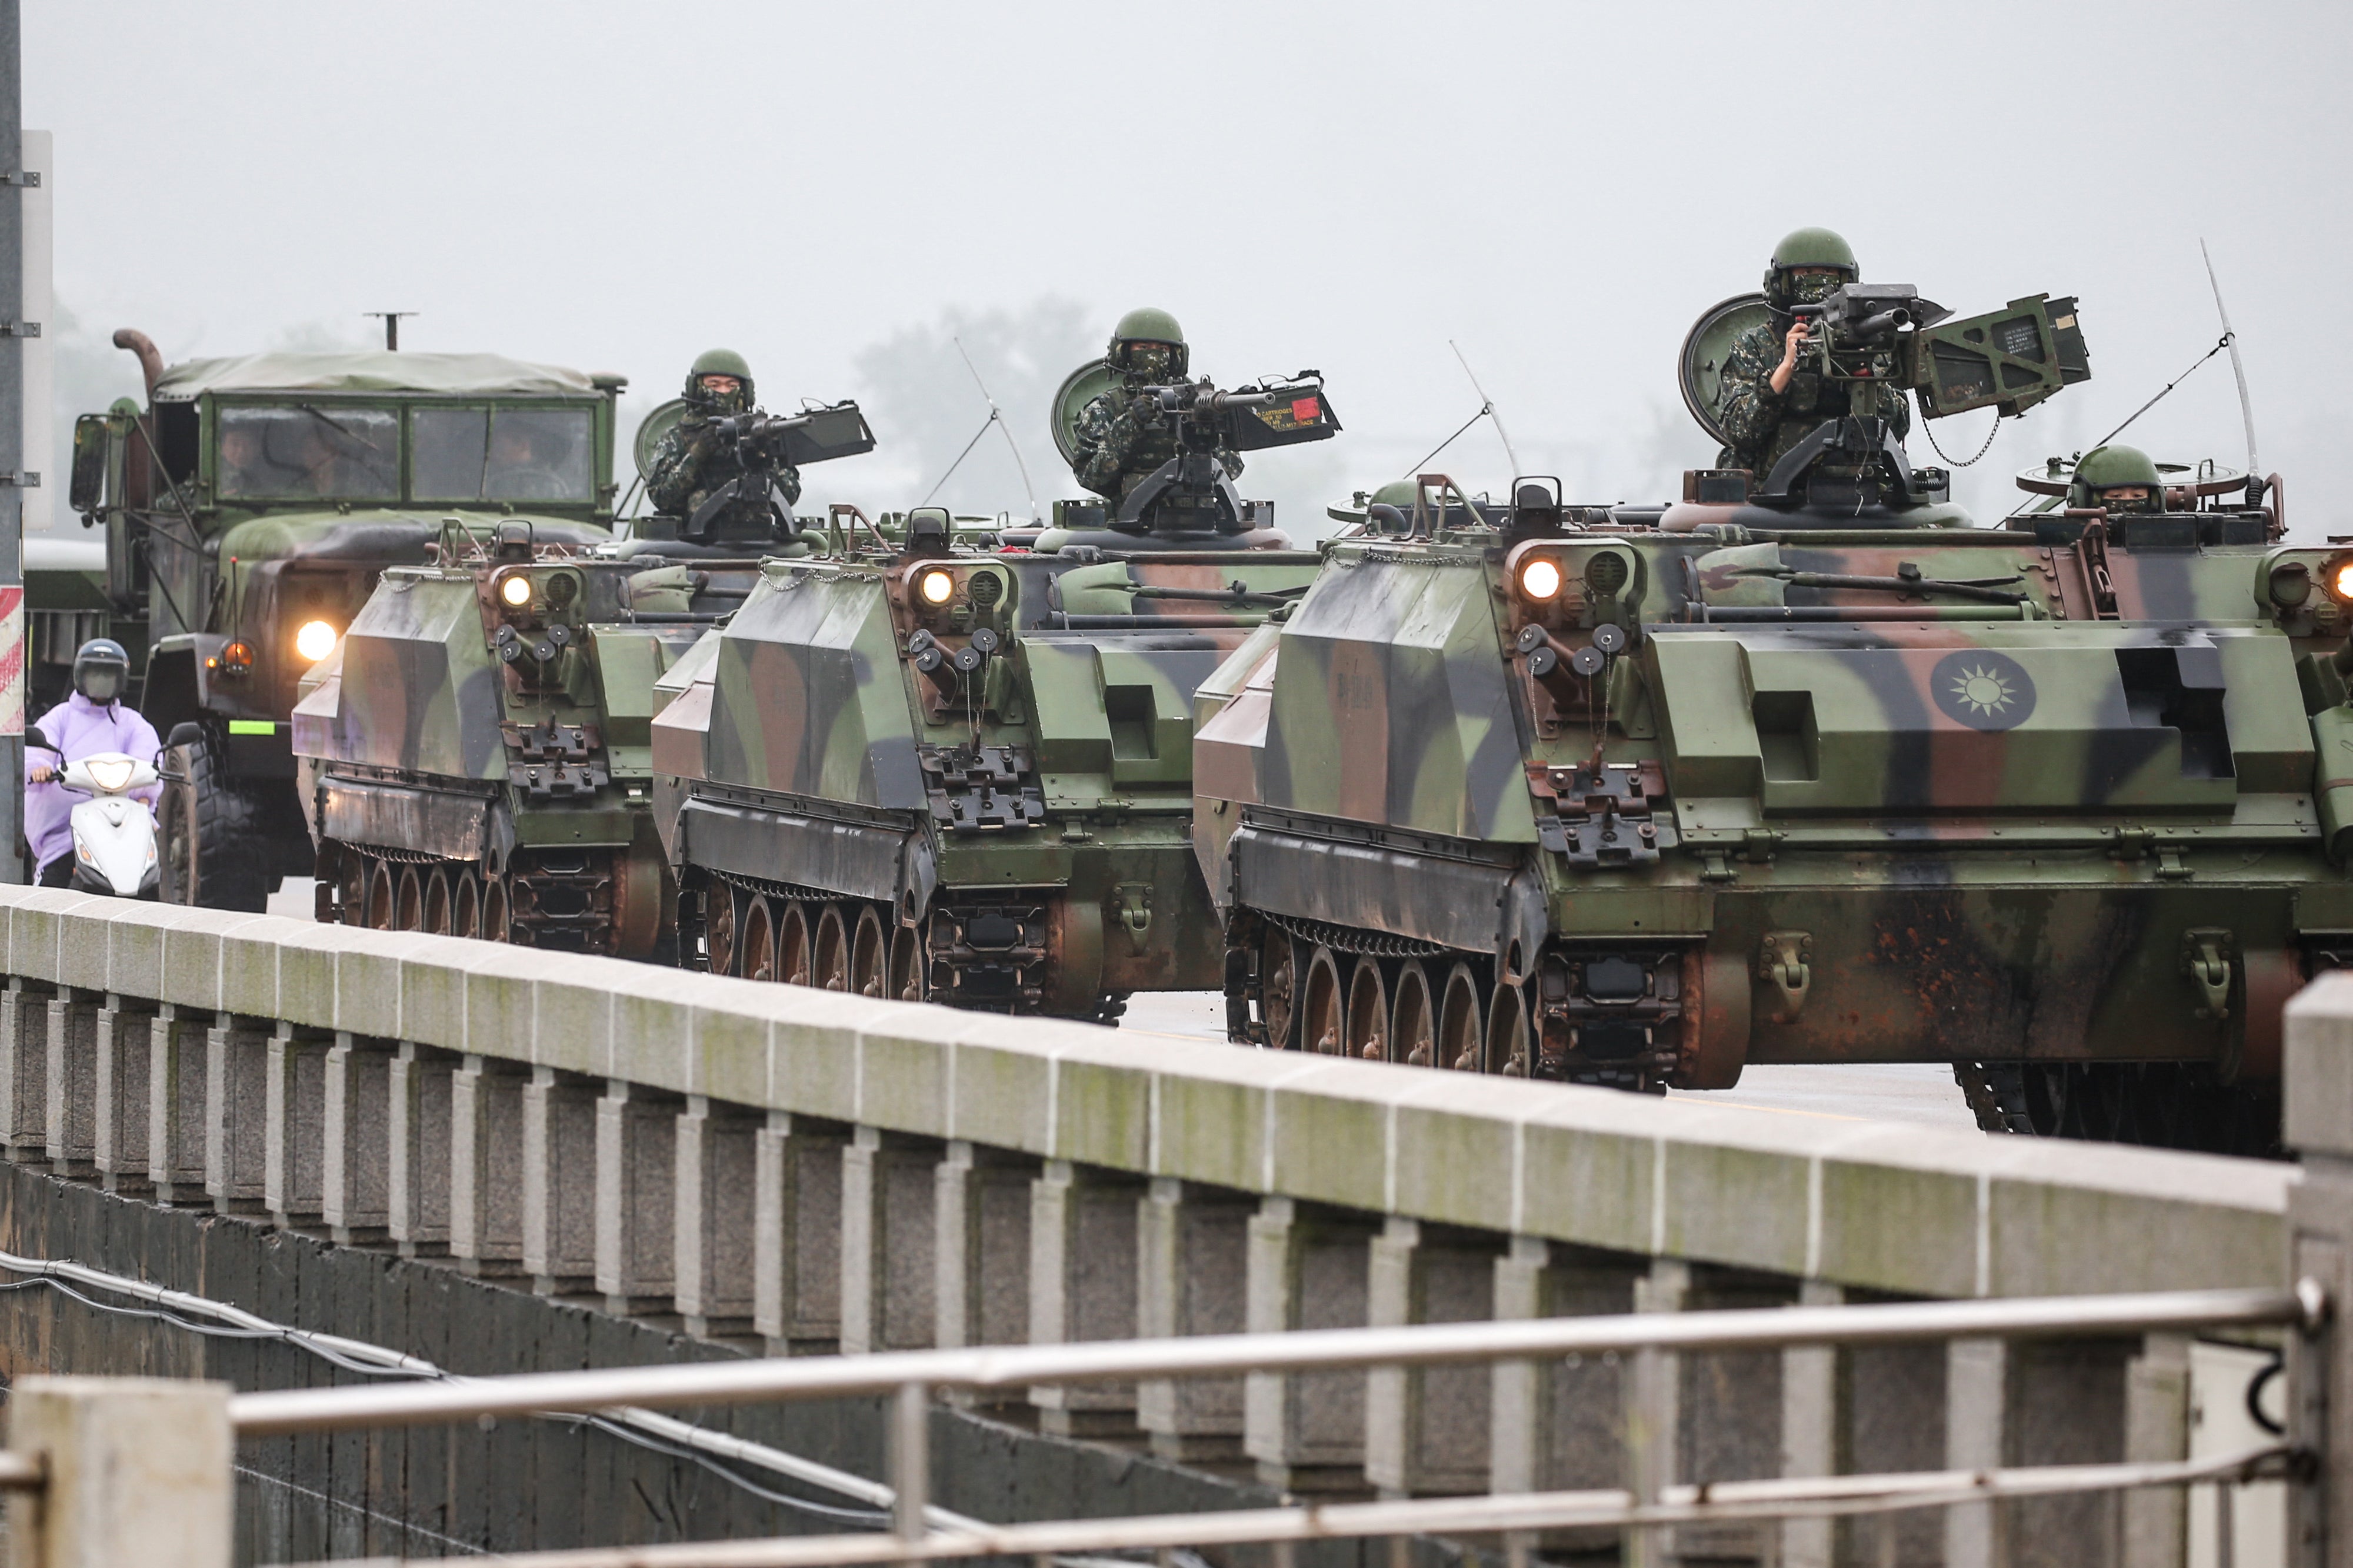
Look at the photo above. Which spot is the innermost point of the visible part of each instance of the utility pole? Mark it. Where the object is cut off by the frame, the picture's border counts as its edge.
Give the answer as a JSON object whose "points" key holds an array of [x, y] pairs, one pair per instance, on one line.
{"points": [[14, 476]]}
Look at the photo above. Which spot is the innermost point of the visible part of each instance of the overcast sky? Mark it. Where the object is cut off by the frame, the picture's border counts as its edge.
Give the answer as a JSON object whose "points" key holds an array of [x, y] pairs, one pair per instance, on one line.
{"points": [[1558, 188]]}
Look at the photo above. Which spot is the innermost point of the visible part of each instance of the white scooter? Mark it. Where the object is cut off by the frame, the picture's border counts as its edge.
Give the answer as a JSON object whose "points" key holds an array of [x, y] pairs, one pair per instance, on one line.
{"points": [[113, 836]]}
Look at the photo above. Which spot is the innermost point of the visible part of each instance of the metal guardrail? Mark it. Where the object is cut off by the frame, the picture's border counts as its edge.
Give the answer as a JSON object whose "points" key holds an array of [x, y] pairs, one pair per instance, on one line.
{"points": [[1651, 1504], [1312, 1349]]}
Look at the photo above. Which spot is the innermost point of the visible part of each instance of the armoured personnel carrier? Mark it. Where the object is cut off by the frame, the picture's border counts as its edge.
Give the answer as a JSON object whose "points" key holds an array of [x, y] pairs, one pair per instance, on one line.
{"points": [[248, 510], [915, 768], [476, 756], [1635, 796]]}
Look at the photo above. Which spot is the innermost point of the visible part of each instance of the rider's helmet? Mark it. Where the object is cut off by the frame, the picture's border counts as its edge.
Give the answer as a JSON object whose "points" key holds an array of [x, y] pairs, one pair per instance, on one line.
{"points": [[100, 670], [1139, 334], [2104, 471], [1806, 247], [719, 361]]}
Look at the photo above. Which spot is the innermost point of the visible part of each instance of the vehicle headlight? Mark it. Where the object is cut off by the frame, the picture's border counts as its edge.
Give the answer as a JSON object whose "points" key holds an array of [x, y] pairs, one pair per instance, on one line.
{"points": [[315, 641], [2339, 578], [1540, 578], [113, 773], [515, 591], [936, 587]]}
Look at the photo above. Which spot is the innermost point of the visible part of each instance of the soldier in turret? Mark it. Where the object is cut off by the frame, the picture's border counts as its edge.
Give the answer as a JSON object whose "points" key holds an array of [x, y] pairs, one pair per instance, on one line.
{"points": [[691, 461], [2120, 479], [1773, 397], [1116, 447]]}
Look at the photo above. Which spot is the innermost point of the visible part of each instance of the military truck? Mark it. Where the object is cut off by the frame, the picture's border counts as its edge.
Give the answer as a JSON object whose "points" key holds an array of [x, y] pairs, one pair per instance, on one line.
{"points": [[248, 510], [914, 768], [475, 753]]}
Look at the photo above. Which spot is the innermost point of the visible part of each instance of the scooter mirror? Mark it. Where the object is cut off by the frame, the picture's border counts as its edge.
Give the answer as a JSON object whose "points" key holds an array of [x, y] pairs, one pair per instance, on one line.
{"points": [[33, 737]]}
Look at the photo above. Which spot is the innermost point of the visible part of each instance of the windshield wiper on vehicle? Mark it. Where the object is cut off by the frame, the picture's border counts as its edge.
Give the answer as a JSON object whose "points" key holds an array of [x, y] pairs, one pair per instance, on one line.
{"points": [[331, 422]]}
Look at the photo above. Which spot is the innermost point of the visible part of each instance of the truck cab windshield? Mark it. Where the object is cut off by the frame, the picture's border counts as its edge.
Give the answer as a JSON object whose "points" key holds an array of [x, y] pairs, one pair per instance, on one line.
{"points": [[502, 454], [307, 451]]}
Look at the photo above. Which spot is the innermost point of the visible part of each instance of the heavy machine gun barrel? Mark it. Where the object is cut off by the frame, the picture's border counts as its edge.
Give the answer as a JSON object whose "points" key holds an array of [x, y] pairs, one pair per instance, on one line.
{"points": [[2007, 359], [812, 436], [1246, 419]]}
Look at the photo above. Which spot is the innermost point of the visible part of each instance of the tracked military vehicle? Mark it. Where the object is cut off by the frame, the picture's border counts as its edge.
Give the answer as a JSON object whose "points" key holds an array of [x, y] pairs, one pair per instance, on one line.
{"points": [[1636, 797], [909, 767], [476, 757], [476, 754], [248, 510]]}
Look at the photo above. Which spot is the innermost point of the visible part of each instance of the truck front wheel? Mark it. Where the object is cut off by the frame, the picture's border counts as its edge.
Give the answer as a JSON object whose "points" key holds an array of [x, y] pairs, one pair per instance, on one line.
{"points": [[216, 852]]}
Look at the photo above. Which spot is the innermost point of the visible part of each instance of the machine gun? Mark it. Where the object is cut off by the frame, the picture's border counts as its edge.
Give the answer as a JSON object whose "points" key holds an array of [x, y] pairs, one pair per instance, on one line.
{"points": [[1191, 489], [759, 444], [1248, 418], [2009, 359], [1883, 340]]}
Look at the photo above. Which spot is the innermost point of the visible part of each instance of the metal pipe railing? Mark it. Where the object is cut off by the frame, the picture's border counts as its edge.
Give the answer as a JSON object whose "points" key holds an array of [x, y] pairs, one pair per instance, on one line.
{"points": [[1324, 1350], [1510, 1514]]}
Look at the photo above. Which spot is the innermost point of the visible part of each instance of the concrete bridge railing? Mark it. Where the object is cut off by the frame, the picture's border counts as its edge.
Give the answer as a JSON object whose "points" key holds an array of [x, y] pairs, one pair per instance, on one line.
{"points": [[802, 1171]]}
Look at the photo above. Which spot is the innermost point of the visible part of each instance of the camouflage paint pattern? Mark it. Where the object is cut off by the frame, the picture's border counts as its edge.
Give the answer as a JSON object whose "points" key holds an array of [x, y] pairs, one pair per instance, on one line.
{"points": [[809, 760], [2069, 801], [451, 727]]}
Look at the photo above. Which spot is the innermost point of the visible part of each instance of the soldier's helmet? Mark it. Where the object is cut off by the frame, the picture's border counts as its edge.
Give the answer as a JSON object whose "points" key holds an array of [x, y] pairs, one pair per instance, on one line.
{"points": [[2105, 468], [1806, 247], [1399, 497], [100, 669], [719, 361], [1137, 333]]}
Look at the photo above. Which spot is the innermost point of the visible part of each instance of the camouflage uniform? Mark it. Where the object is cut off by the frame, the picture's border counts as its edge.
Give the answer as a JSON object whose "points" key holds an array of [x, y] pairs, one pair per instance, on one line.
{"points": [[689, 463], [1116, 449], [1761, 425]]}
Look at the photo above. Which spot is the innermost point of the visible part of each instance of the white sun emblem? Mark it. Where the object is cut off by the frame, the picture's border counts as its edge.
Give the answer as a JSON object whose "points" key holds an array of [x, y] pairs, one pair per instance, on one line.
{"points": [[1982, 690]]}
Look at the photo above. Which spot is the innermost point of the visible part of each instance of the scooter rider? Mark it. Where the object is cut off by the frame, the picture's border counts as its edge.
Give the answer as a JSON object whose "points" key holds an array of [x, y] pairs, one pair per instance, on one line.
{"points": [[94, 718]]}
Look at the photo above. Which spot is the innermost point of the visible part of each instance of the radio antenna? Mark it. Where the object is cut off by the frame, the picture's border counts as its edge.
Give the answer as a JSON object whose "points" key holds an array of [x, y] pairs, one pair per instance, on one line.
{"points": [[2246, 409], [1487, 407], [996, 417]]}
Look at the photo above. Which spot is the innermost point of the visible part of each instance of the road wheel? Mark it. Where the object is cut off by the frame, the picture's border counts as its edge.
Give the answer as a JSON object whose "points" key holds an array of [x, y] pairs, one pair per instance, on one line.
{"points": [[720, 910], [831, 961], [908, 963], [466, 905], [496, 924], [215, 851], [1368, 1012], [1321, 1006], [351, 879], [1507, 1033], [869, 955], [1460, 1032], [383, 883], [437, 901], [759, 941], [1413, 1024], [1277, 985], [793, 943], [408, 909]]}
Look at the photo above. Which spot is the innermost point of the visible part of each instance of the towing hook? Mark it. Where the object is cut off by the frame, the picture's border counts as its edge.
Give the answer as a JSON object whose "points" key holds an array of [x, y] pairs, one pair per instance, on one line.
{"points": [[2206, 961], [1784, 964], [1135, 900]]}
